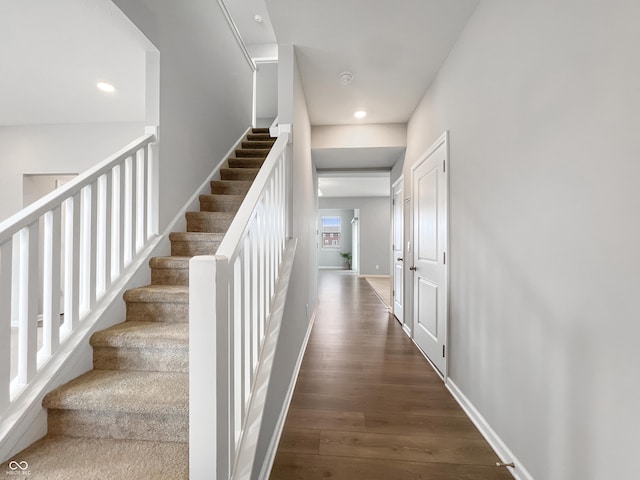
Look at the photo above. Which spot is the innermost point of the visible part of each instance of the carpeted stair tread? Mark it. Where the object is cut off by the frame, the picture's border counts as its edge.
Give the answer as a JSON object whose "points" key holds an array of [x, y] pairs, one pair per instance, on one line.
{"points": [[238, 173], [170, 262], [247, 162], [65, 458], [158, 294], [230, 187], [264, 137], [209, 222], [258, 144], [195, 243], [143, 335], [196, 236], [220, 203], [150, 393], [170, 270], [252, 152], [260, 130]]}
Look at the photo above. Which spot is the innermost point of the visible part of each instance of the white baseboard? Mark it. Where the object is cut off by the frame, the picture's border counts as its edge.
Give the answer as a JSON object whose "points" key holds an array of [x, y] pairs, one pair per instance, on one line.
{"points": [[501, 449], [374, 276], [275, 439]]}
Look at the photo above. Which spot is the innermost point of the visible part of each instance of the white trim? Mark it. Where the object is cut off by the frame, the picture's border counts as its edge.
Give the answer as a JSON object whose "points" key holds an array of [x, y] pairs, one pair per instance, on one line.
{"points": [[500, 447], [236, 34], [374, 276], [277, 433], [407, 330]]}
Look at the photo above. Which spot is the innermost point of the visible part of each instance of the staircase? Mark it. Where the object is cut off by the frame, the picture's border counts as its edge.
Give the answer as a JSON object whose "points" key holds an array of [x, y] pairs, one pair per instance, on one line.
{"points": [[129, 416]]}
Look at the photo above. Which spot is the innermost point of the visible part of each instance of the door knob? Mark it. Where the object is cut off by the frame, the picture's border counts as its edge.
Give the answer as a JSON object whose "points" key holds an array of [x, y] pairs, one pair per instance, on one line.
{"points": [[414, 268], [399, 259]]}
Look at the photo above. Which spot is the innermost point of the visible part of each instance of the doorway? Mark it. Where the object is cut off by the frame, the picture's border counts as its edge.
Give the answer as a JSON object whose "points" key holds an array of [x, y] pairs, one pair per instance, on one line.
{"points": [[398, 250], [429, 180]]}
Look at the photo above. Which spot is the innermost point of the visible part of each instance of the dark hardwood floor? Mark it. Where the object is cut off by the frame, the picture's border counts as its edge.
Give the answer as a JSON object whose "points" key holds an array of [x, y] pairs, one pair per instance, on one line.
{"points": [[367, 405]]}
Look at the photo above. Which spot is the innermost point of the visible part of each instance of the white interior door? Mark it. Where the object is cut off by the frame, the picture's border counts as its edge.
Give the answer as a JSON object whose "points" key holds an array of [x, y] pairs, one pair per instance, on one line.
{"points": [[398, 260], [430, 295]]}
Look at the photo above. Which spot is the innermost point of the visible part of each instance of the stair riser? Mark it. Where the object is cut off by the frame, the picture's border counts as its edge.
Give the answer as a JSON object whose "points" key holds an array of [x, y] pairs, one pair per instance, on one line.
{"points": [[170, 276], [229, 187], [257, 144], [238, 174], [245, 162], [252, 153], [212, 204], [189, 249], [157, 312], [119, 425], [148, 360], [260, 137], [197, 222]]}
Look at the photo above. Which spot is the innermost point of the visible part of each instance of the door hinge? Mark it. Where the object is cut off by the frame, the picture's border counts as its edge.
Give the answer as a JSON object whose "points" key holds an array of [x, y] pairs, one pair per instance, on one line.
{"points": [[444, 166], [393, 294], [443, 351], [444, 257]]}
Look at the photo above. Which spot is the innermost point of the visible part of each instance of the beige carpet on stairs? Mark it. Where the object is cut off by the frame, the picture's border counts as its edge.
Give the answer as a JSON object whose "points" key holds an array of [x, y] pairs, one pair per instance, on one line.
{"points": [[129, 416]]}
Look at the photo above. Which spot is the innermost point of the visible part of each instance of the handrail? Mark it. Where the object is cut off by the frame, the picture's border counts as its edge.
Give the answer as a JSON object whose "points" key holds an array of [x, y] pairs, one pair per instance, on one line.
{"points": [[91, 230], [24, 217], [236, 34], [236, 300], [243, 216]]}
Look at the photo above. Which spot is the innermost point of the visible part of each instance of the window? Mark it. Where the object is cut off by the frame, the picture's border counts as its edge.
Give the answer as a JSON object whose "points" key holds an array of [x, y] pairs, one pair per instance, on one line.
{"points": [[331, 232]]}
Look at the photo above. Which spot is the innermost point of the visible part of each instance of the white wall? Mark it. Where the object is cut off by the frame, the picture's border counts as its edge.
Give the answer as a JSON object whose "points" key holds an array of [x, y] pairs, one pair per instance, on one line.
{"points": [[206, 90], [541, 100], [375, 230], [366, 135], [302, 294], [330, 257], [55, 149], [266, 93]]}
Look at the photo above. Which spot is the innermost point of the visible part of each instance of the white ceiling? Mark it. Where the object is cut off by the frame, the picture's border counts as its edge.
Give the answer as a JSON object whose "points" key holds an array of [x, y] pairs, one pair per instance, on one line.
{"points": [[55, 51], [393, 48], [252, 32], [364, 184]]}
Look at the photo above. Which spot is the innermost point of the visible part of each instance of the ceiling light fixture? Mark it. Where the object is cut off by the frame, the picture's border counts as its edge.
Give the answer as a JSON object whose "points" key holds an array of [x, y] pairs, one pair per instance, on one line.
{"points": [[106, 87], [360, 114], [346, 78], [258, 18]]}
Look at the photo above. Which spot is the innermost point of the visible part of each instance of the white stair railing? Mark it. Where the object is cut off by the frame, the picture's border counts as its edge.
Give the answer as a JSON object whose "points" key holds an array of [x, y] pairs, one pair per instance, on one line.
{"points": [[65, 251], [236, 298]]}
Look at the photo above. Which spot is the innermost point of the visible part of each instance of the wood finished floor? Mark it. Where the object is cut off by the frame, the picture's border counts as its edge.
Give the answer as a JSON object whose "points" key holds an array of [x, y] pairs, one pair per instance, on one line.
{"points": [[367, 405]]}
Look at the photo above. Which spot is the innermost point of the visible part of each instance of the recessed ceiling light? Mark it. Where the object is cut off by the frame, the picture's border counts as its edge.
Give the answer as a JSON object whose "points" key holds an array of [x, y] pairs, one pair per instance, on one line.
{"points": [[106, 87], [258, 18], [360, 114]]}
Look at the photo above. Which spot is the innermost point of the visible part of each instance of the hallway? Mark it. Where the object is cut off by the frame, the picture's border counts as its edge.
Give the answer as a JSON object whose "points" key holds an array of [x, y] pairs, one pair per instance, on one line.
{"points": [[367, 405]]}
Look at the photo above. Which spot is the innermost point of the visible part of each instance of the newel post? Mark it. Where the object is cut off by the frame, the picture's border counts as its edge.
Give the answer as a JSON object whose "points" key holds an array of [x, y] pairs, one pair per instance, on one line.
{"points": [[209, 435], [153, 190]]}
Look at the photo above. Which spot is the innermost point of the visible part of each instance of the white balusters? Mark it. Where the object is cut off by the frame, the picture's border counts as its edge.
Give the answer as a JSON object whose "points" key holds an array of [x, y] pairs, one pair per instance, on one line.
{"points": [[51, 284], [90, 230], [238, 284], [6, 274], [28, 304]]}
